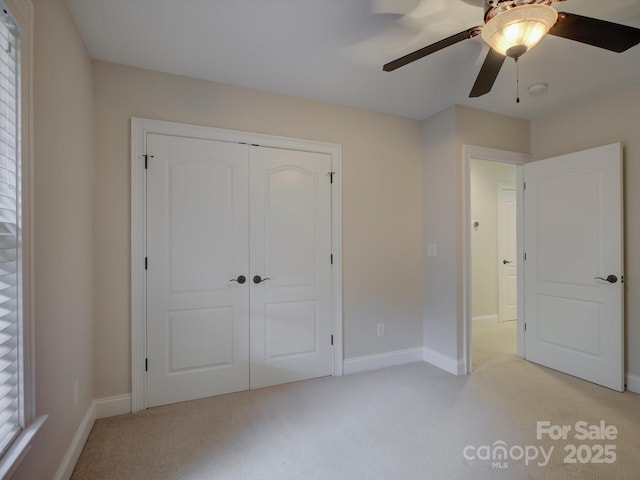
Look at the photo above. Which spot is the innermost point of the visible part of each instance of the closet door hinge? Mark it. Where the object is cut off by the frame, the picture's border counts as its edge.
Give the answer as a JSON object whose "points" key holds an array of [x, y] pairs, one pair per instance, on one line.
{"points": [[331, 339], [331, 174], [146, 364], [146, 160], [146, 262], [332, 259]]}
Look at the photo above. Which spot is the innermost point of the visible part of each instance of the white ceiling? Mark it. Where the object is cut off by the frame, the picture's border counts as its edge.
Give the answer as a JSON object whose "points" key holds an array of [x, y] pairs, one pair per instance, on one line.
{"points": [[333, 50]]}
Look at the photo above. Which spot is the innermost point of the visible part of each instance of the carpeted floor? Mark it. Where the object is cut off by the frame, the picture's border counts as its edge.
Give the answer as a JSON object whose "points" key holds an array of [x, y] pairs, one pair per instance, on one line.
{"points": [[412, 422], [491, 339]]}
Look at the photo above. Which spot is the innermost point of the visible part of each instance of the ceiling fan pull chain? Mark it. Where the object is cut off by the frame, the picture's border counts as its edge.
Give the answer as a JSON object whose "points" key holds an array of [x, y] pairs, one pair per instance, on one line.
{"points": [[517, 81]]}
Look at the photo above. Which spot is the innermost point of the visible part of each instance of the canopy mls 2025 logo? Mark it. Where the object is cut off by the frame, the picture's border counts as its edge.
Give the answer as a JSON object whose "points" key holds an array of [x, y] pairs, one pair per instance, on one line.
{"points": [[582, 442]]}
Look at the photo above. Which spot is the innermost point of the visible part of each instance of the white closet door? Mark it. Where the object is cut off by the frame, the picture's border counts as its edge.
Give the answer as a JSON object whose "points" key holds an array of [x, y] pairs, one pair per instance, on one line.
{"points": [[291, 253], [197, 242]]}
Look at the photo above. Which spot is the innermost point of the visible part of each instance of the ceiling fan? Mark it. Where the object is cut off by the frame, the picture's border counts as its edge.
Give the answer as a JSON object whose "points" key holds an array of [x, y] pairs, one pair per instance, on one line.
{"points": [[513, 27]]}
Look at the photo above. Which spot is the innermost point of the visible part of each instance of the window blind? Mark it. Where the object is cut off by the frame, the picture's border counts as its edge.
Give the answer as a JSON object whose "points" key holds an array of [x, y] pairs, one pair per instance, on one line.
{"points": [[10, 421]]}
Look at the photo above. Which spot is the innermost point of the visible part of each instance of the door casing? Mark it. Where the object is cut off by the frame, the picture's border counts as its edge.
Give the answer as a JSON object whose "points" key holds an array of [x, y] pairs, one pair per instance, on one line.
{"points": [[470, 152], [139, 129]]}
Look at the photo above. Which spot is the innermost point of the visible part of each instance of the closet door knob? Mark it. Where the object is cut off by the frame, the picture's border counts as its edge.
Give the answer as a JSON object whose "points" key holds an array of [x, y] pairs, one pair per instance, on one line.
{"points": [[258, 279], [241, 279]]}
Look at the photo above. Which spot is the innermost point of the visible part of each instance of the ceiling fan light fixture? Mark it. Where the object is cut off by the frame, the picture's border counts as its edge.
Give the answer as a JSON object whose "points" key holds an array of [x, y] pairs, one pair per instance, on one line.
{"points": [[517, 30]]}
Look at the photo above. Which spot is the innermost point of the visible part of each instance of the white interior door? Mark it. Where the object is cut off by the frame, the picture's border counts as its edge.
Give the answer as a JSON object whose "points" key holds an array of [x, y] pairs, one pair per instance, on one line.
{"points": [[573, 234], [218, 215], [197, 242], [291, 256], [507, 257]]}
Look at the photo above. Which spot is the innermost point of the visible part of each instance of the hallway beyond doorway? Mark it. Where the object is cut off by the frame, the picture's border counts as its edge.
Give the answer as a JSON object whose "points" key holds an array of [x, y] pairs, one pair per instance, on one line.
{"points": [[491, 339]]}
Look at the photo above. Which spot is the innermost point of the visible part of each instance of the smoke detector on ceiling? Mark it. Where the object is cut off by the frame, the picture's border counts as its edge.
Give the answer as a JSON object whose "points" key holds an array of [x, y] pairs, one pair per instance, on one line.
{"points": [[538, 89]]}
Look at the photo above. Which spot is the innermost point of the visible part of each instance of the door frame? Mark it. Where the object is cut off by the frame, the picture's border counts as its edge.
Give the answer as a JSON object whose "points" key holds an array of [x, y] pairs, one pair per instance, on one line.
{"points": [[140, 127], [470, 152]]}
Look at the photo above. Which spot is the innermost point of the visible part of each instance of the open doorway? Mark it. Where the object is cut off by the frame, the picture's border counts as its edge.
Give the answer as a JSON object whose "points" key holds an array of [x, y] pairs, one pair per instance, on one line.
{"points": [[493, 259], [498, 174]]}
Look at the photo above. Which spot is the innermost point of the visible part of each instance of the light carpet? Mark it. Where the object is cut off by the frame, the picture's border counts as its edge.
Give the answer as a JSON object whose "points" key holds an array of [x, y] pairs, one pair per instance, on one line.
{"points": [[409, 422], [491, 339]]}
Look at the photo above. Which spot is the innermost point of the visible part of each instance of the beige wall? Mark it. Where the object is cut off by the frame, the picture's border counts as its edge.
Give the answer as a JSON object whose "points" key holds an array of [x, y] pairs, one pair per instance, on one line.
{"points": [[613, 118], [63, 191], [382, 237], [485, 178], [444, 135]]}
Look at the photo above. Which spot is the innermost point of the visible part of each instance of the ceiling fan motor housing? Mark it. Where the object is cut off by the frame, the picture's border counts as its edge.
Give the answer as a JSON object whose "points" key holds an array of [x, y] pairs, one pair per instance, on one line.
{"points": [[512, 27], [493, 8]]}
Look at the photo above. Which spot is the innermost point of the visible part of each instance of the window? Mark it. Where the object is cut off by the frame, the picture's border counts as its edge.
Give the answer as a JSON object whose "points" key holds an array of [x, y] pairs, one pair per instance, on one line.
{"points": [[17, 410], [10, 238]]}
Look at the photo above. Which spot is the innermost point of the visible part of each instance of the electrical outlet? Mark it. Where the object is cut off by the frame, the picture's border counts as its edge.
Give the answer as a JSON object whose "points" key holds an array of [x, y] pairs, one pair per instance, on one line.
{"points": [[76, 393], [380, 329]]}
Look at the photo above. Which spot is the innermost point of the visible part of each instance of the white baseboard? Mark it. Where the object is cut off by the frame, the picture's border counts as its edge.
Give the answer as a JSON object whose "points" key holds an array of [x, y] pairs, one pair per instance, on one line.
{"points": [[70, 458], [112, 406], [100, 408], [447, 364], [382, 360], [485, 318], [633, 383]]}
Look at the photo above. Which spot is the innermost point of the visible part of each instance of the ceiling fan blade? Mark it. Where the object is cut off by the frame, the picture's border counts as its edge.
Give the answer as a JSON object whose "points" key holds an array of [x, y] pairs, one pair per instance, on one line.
{"points": [[423, 52], [599, 33], [488, 74]]}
